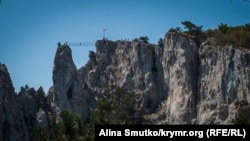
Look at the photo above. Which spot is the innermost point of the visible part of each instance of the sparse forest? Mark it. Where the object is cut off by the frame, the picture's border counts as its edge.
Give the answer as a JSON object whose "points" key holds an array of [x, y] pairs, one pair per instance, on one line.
{"points": [[237, 36], [223, 35], [116, 108]]}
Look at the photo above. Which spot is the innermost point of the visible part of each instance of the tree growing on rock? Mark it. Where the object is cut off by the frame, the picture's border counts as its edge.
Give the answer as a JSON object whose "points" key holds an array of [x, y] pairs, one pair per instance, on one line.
{"points": [[144, 39], [192, 29], [160, 42]]}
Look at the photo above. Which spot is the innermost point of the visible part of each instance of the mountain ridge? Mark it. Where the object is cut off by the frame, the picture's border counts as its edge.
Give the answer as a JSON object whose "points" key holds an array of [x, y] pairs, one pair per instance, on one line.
{"points": [[180, 83]]}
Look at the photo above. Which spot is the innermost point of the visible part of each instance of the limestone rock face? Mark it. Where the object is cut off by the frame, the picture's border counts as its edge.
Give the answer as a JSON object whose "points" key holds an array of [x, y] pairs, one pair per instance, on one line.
{"points": [[205, 85], [133, 65], [182, 82], [21, 112], [180, 66], [12, 124], [179, 83], [27, 101], [33, 103], [67, 92], [64, 75], [224, 81]]}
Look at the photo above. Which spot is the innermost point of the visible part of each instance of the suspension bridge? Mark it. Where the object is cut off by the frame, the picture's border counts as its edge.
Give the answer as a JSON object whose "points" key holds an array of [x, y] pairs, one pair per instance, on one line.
{"points": [[84, 43], [80, 43]]}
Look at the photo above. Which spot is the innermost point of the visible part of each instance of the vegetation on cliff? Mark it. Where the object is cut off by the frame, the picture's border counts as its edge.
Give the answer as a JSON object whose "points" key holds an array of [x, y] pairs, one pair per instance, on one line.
{"points": [[223, 35], [237, 36], [116, 108]]}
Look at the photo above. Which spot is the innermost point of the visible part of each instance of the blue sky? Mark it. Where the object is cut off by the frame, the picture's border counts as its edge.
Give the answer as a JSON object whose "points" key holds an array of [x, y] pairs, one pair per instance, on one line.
{"points": [[31, 29]]}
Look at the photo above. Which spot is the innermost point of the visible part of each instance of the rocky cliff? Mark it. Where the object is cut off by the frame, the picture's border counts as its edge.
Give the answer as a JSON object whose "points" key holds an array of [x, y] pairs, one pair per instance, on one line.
{"points": [[12, 124], [223, 84], [182, 82], [206, 84], [19, 113]]}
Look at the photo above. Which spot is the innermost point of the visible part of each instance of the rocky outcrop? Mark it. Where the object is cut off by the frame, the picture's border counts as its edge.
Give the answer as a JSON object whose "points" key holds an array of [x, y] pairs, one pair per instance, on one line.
{"points": [[224, 81], [180, 66], [64, 75], [33, 104], [133, 65], [20, 112], [206, 85], [67, 91], [12, 124], [180, 83]]}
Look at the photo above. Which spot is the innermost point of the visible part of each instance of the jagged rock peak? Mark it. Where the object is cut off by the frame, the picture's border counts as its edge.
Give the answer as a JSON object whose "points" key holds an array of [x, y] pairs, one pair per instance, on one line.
{"points": [[63, 53], [12, 125], [2, 66], [64, 75], [5, 80]]}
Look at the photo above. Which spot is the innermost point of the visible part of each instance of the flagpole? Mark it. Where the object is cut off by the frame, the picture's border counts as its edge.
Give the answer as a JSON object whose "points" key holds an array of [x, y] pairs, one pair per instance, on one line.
{"points": [[104, 33]]}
